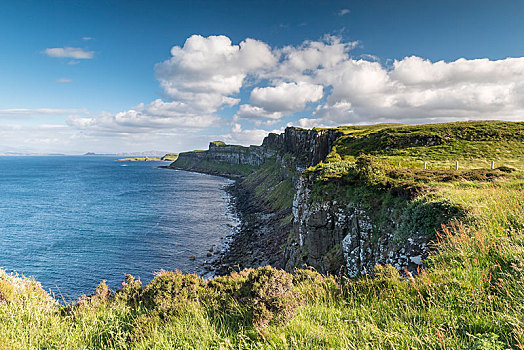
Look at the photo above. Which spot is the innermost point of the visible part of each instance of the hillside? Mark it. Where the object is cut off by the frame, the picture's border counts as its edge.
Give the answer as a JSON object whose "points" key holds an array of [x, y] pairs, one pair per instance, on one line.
{"points": [[353, 197], [420, 254]]}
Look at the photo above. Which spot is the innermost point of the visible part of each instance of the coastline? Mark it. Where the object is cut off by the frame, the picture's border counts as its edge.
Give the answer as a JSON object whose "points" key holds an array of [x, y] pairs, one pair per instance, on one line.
{"points": [[256, 241], [207, 172]]}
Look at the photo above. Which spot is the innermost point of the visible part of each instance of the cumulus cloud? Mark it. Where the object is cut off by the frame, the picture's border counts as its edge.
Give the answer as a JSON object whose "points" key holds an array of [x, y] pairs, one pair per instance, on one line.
{"points": [[343, 12], [208, 74], [158, 115], [303, 62], [239, 135], [286, 97], [254, 112], [201, 77], [69, 52], [208, 71], [417, 90]]}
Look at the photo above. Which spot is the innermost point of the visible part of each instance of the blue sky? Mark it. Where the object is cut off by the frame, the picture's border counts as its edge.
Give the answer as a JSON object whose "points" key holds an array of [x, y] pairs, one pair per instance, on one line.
{"points": [[78, 76]]}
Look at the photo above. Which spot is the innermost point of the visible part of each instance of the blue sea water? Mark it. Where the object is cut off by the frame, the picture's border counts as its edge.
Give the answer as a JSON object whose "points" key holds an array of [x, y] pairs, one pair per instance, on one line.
{"points": [[71, 222]]}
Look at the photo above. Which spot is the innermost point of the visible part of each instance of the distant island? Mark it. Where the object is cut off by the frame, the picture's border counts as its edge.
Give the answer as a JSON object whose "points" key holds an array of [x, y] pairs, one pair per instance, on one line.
{"points": [[169, 157]]}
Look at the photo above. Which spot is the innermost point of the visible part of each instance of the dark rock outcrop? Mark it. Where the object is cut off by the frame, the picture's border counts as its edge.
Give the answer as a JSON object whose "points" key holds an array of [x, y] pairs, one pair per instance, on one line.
{"points": [[308, 147], [329, 235]]}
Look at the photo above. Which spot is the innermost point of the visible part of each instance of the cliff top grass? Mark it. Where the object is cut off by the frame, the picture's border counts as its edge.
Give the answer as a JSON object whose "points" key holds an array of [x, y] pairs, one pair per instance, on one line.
{"points": [[485, 140], [470, 296], [438, 147]]}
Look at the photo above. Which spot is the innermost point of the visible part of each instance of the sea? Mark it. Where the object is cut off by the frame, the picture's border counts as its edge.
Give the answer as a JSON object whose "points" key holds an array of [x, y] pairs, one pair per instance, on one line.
{"points": [[71, 222]]}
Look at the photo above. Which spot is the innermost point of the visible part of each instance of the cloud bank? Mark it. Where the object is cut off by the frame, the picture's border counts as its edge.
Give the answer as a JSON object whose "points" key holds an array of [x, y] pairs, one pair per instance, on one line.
{"points": [[210, 82]]}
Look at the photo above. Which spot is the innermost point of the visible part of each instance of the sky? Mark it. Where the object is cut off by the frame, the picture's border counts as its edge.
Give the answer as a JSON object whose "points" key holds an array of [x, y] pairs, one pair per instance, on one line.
{"points": [[111, 76]]}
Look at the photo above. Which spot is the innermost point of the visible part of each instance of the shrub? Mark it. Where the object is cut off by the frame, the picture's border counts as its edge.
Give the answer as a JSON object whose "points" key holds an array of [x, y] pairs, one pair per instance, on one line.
{"points": [[314, 287], [256, 296], [131, 290], [170, 292]]}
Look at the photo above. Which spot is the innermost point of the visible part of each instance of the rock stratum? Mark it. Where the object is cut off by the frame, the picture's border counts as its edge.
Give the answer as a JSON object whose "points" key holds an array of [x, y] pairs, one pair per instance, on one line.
{"points": [[346, 199]]}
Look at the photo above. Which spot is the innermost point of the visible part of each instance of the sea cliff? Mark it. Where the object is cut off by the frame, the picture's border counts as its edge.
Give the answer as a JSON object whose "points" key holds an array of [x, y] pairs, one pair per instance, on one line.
{"points": [[439, 208], [337, 200]]}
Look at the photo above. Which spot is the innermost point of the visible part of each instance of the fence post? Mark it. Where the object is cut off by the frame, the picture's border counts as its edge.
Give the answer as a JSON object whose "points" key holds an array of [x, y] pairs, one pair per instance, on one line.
{"points": [[399, 164], [457, 165], [425, 165], [492, 165]]}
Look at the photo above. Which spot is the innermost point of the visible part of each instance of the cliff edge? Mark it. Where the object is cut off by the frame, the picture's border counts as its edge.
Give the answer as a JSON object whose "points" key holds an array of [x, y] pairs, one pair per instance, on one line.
{"points": [[343, 200]]}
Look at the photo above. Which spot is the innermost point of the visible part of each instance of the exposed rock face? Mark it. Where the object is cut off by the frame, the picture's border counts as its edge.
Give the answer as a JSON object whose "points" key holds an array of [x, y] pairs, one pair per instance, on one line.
{"points": [[308, 147], [232, 154], [326, 234], [324, 229]]}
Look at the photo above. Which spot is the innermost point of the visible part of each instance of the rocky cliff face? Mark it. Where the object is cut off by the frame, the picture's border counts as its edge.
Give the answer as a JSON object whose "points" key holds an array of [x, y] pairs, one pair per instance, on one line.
{"points": [[307, 147], [230, 154], [330, 234], [326, 234]]}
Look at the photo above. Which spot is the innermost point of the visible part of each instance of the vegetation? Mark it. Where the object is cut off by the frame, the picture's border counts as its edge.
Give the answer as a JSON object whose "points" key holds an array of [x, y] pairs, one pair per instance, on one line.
{"points": [[469, 296], [405, 176], [139, 159], [169, 157], [218, 168], [272, 183], [218, 143]]}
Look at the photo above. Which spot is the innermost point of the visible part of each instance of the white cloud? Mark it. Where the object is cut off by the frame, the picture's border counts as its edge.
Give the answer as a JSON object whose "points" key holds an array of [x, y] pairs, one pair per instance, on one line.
{"points": [[208, 72], [303, 62], [309, 123], [253, 112], [87, 38], [63, 80], [343, 12], [286, 97], [417, 90], [69, 52], [154, 117], [239, 135]]}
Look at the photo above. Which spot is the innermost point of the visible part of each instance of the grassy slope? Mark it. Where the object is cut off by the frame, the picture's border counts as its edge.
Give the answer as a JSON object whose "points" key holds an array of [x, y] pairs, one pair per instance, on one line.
{"points": [[210, 167], [471, 296]]}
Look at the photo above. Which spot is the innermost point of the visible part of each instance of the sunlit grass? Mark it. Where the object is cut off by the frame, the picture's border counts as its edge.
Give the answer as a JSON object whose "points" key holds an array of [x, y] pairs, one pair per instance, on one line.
{"points": [[470, 295]]}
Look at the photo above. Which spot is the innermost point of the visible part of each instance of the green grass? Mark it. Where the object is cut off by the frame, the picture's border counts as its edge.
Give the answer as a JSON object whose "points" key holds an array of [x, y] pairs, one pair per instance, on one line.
{"points": [[170, 157], [219, 168], [272, 184], [440, 144], [469, 296]]}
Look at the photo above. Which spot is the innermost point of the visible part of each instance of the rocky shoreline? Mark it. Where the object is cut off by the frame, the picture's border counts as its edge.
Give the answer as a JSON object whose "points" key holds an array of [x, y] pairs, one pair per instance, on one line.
{"points": [[256, 242], [259, 239]]}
